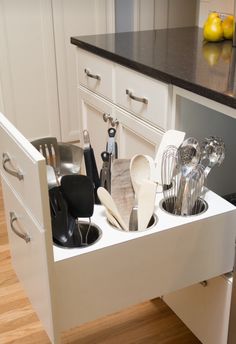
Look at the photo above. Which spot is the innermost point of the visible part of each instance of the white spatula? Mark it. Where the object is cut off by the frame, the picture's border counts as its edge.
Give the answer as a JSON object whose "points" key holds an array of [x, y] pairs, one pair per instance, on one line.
{"points": [[146, 203]]}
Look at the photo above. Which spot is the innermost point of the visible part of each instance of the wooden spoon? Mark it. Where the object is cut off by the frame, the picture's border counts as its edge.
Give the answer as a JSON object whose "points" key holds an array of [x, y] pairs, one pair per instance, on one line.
{"points": [[108, 202], [146, 203]]}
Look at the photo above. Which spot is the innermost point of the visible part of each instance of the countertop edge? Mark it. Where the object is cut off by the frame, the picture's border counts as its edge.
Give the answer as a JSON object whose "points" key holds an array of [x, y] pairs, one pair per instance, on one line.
{"points": [[157, 74]]}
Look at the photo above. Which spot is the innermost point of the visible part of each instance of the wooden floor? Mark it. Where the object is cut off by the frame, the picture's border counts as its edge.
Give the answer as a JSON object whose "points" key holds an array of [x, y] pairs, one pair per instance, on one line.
{"points": [[148, 323]]}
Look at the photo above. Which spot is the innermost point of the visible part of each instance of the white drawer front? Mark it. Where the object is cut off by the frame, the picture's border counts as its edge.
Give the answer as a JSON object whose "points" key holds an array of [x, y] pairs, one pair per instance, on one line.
{"points": [[95, 73], [30, 258], [205, 310], [23, 166], [142, 95], [123, 268]]}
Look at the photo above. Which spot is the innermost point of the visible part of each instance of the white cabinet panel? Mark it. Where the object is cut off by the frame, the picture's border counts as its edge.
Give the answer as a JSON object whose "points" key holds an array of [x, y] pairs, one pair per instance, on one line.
{"points": [[93, 108], [204, 309], [74, 18], [27, 67], [30, 259]]}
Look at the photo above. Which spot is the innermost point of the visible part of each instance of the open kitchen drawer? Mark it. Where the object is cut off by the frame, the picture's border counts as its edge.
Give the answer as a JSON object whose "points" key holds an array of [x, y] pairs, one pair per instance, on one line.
{"points": [[121, 268]]}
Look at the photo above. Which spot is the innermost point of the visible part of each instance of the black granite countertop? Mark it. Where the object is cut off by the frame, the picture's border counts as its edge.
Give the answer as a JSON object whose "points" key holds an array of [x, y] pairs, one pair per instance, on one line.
{"points": [[177, 56]]}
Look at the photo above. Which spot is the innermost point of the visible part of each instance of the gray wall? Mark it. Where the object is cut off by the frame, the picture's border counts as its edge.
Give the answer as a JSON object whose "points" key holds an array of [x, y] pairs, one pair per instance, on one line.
{"points": [[200, 122], [124, 15]]}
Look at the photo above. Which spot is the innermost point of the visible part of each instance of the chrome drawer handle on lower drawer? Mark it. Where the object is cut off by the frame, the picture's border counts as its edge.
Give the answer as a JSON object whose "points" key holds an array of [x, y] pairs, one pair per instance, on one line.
{"points": [[138, 99], [16, 173], [94, 76], [23, 236]]}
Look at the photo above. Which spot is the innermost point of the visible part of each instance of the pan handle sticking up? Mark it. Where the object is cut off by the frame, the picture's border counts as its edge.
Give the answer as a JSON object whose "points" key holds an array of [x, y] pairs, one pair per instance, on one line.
{"points": [[90, 164]]}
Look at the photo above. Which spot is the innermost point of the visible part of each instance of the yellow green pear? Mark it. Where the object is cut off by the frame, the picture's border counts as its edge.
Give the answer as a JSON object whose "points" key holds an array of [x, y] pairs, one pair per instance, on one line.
{"points": [[228, 27], [211, 53], [213, 30]]}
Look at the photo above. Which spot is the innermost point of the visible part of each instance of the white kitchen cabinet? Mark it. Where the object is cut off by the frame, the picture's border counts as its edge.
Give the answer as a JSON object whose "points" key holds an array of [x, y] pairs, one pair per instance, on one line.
{"points": [[94, 111], [135, 136], [204, 308], [37, 62], [140, 125]]}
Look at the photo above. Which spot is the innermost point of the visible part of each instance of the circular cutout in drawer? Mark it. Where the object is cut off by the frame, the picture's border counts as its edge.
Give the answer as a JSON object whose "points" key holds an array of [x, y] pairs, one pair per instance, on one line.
{"points": [[86, 235], [168, 206]]}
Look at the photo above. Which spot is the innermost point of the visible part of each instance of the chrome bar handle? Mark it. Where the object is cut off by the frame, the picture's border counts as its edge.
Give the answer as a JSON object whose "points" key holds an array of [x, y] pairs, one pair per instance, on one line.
{"points": [[107, 117], [94, 76], [16, 173], [138, 99], [23, 236]]}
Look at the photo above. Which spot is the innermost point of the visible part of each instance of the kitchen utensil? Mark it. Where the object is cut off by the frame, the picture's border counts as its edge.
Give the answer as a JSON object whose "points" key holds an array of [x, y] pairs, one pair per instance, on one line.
{"points": [[78, 191], [170, 138], [105, 174], [146, 203], [141, 168], [112, 148], [51, 177], [188, 157], [63, 225], [169, 177], [71, 157], [48, 147], [121, 187], [112, 220], [90, 164], [212, 153], [108, 202], [195, 184]]}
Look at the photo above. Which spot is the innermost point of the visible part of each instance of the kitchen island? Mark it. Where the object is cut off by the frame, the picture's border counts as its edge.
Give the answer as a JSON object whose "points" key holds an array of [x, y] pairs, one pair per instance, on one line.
{"points": [[191, 75]]}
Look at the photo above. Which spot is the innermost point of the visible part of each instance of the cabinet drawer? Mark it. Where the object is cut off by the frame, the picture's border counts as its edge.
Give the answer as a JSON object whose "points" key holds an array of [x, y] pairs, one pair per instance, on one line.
{"points": [[205, 310], [95, 73], [142, 96], [23, 166], [176, 253], [29, 258]]}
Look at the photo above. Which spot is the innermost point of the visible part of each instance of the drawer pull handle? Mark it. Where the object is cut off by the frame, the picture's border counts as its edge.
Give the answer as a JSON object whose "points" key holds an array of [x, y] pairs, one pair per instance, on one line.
{"points": [[138, 99], [107, 117], [16, 173], [114, 122], [94, 76], [23, 236]]}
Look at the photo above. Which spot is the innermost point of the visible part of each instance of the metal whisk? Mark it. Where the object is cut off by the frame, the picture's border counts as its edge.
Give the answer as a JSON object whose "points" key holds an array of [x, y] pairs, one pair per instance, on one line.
{"points": [[170, 177]]}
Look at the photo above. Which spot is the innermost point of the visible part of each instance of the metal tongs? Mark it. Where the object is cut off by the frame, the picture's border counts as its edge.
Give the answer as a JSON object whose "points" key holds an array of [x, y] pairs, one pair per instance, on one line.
{"points": [[105, 175]]}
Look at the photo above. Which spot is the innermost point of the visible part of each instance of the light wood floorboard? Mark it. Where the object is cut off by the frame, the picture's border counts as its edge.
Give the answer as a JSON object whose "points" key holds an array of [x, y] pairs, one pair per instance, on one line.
{"points": [[148, 323]]}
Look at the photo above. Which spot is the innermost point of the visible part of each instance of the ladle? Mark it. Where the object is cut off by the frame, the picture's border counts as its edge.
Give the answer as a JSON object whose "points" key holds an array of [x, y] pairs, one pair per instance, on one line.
{"points": [[212, 153]]}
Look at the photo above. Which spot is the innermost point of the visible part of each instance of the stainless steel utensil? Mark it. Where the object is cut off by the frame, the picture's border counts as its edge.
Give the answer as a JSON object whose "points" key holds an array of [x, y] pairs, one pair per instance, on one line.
{"points": [[105, 174], [193, 188], [188, 157], [48, 147], [212, 153], [170, 177], [52, 179]]}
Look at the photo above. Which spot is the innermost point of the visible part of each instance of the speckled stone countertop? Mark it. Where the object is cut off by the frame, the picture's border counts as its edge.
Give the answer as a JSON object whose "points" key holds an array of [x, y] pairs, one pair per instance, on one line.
{"points": [[176, 56]]}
